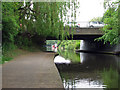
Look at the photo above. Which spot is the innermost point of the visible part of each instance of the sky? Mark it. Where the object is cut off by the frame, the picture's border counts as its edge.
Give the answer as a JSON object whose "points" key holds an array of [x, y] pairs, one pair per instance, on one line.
{"points": [[90, 9]]}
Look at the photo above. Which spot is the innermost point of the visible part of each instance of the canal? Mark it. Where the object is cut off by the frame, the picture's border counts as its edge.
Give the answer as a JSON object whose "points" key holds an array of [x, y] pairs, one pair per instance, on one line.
{"points": [[88, 70]]}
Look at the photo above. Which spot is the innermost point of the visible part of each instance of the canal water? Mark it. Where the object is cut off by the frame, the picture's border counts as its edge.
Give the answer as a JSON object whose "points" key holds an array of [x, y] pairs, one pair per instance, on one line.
{"points": [[88, 70]]}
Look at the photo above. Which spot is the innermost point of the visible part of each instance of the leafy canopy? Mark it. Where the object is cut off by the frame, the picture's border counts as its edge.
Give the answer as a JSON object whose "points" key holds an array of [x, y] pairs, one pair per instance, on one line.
{"points": [[112, 20], [46, 18]]}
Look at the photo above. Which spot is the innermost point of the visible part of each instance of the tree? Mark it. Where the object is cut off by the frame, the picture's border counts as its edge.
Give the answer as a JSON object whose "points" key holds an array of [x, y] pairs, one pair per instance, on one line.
{"points": [[10, 24], [45, 18], [112, 20], [24, 21], [97, 19]]}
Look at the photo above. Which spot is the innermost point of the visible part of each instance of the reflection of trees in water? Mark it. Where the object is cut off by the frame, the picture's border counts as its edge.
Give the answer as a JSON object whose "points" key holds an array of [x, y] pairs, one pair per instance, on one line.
{"points": [[94, 67], [111, 78], [106, 76], [69, 54], [91, 62]]}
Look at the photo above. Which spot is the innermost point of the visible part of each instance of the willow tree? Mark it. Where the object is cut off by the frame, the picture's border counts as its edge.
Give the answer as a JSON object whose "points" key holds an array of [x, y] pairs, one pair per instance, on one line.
{"points": [[47, 18], [34, 18], [112, 20]]}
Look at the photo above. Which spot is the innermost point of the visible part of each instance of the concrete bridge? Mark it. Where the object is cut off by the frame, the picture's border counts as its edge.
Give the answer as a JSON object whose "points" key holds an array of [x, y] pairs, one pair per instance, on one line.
{"points": [[81, 34], [87, 35], [88, 31]]}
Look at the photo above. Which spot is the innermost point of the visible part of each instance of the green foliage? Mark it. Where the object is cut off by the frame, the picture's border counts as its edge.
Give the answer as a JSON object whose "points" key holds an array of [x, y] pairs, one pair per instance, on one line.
{"points": [[47, 20], [0, 11], [5, 59], [23, 41], [77, 45], [10, 25], [112, 27], [0, 55], [0, 16], [51, 42], [8, 47], [70, 47], [70, 44], [44, 19], [10, 28], [0, 26], [97, 19], [110, 78], [69, 54]]}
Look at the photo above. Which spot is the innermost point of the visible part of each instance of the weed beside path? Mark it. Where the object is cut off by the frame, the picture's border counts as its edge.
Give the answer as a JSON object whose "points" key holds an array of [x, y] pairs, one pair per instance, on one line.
{"points": [[10, 55]]}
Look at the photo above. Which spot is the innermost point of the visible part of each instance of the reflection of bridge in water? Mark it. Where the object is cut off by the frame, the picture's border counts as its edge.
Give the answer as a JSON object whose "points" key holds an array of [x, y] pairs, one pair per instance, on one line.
{"points": [[90, 62], [90, 68]]}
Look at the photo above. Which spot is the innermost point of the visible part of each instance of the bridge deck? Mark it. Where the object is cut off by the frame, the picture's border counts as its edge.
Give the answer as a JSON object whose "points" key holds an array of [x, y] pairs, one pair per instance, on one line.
{"points": [[81, 34], [88, 31]]}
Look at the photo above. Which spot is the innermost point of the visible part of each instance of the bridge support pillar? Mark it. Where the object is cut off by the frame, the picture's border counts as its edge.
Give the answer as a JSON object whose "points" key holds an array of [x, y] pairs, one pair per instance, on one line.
{"points": [[99, 46]]}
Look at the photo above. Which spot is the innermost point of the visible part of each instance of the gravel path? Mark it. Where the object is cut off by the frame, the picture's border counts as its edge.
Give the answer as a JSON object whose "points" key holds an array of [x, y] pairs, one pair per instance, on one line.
{"points": [[34, 70]]}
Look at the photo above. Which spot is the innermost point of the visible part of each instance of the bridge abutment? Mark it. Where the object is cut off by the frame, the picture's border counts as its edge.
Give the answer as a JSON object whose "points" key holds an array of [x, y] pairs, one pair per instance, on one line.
{"points": [[98, 47]]}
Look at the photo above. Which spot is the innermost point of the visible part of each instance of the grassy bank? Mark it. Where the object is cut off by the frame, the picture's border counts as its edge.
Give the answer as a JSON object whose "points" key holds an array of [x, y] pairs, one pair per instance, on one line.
{"points": [[11, 54]]}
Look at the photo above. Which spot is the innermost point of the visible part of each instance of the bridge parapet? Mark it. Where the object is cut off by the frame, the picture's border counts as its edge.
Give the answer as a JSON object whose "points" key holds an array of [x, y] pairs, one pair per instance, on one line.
{"points": [[81, 34], [88, 31]]}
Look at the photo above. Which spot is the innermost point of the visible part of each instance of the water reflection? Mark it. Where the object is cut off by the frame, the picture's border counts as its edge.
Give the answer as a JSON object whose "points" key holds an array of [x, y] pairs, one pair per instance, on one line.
{"points": [[111, 78], [60, 59], [72, 56], [89, 70]]}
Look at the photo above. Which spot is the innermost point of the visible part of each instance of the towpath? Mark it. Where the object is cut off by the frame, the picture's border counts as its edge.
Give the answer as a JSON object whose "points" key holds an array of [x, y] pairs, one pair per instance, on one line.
{"points": [[34, 70]]}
